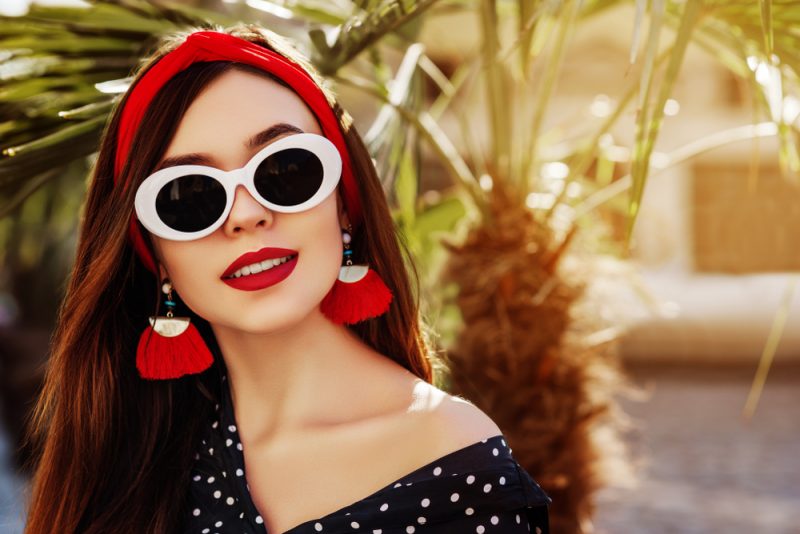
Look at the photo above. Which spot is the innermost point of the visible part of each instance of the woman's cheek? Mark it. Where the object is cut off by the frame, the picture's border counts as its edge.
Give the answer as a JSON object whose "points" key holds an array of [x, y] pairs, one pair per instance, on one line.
{"points": [[190, 277]]}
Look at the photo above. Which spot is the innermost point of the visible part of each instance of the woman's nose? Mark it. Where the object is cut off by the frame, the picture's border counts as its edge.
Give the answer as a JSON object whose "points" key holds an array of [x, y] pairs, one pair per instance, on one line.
{"points": [[246, 214]]}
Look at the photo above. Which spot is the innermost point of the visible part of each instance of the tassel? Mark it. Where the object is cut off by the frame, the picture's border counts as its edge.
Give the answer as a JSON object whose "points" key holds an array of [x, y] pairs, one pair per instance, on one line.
{"points": [[352, 301], [170, 348]]}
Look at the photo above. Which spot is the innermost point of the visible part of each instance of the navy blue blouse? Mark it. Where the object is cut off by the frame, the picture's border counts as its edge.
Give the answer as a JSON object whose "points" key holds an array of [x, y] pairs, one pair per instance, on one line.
{"points": [[479, 489]]}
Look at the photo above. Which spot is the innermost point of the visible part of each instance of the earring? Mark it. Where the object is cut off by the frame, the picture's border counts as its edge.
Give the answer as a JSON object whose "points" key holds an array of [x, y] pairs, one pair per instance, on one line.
{"points": [[171, 346], [359, 293]]}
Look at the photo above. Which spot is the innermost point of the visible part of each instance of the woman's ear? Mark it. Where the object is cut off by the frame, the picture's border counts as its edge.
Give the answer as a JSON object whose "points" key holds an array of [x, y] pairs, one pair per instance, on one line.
{"points": [[344, 220], [162, 272], [156, 252]]}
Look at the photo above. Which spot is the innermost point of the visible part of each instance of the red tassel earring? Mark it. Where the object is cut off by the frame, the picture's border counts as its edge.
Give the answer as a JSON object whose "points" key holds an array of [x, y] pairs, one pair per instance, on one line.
{"points": [[171, 346], [358, 294]]}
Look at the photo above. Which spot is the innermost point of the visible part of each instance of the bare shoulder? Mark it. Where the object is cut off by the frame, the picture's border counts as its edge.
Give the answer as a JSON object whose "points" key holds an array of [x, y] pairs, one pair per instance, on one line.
{"points": [[432, 421], [453, 422]]}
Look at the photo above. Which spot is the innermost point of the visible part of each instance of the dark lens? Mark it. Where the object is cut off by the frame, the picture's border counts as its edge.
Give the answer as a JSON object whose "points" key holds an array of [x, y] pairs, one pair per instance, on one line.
{"points": [[289, 177], [190, 203]]}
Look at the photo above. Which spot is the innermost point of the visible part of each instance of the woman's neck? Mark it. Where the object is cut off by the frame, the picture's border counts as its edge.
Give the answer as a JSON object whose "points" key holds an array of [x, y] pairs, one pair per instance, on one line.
{"points": [[284, 382]]}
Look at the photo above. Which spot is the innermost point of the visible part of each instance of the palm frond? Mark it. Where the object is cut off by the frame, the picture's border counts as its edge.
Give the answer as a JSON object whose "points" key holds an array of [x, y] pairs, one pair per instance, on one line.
{"points": [[648, 125], [362, 30]]}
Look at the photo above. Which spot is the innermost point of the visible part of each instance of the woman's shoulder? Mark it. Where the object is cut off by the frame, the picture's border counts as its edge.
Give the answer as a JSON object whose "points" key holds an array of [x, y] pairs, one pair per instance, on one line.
{"points": [[453, 421], [471, 471], [442, 427], [440, 421]]}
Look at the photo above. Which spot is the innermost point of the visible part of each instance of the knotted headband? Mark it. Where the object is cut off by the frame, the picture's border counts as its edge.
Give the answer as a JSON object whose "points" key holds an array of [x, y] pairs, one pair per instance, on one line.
{"points": [[216, 46]]}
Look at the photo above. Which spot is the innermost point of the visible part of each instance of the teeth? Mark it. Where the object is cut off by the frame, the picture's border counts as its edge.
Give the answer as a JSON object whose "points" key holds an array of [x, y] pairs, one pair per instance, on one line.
{"points": [[260, 266]]}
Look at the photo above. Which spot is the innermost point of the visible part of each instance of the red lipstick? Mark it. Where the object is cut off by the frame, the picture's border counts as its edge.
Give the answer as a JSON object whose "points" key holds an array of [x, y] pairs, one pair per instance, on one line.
{"points": [[266, 278]]}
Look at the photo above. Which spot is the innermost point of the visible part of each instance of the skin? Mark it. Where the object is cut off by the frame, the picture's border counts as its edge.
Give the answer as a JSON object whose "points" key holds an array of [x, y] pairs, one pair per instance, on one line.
{"points": [[306, 392]]}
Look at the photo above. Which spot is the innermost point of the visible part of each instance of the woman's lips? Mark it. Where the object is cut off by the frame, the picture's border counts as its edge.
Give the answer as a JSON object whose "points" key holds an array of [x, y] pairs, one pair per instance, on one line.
{"points": [[254, 282], [266, 253]]}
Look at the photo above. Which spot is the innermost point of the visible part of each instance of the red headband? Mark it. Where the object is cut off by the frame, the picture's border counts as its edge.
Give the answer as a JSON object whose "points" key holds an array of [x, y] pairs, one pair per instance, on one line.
{"points": [[214, 46]]}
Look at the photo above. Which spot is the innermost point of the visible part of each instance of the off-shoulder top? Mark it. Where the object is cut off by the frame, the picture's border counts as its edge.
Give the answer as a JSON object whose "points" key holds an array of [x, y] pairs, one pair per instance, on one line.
{"points": [[479, 488]]}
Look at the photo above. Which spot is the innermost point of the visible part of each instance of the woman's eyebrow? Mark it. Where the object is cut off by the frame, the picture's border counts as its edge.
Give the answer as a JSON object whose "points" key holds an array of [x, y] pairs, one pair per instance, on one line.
{"points": [[270, 133], [259, 139]]}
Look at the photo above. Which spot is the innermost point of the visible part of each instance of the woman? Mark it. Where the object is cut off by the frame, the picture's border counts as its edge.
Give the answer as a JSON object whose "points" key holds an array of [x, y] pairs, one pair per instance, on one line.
{"points": [[287, 389]]}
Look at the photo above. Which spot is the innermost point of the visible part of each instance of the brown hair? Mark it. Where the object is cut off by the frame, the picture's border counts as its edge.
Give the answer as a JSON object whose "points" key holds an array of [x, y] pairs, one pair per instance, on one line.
{"points": [[113, 452]]}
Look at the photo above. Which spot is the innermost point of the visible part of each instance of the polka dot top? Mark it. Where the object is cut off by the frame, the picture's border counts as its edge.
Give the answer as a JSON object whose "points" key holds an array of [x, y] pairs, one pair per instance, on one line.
{"points": [[479, 489]]}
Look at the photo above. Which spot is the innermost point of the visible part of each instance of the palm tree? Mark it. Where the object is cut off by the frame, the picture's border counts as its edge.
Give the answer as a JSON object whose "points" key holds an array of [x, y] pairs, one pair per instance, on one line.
{"points": [[526, 348]]}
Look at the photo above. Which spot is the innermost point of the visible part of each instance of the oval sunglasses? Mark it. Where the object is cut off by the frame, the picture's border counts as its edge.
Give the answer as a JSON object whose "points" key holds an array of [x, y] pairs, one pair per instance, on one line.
{"points": [[186, 202]]}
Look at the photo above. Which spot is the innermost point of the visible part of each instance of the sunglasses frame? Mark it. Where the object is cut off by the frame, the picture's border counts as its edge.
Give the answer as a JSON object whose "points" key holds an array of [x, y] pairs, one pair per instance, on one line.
{"points": [[320, 146]]}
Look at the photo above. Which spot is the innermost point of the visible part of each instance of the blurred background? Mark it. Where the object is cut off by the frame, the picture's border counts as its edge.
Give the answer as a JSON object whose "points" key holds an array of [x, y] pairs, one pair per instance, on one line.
{"points": [[602, 197]]}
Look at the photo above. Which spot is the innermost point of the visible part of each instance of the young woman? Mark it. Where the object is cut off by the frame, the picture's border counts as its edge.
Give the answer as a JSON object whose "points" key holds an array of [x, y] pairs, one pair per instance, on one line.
{"points": [[287, 388]]}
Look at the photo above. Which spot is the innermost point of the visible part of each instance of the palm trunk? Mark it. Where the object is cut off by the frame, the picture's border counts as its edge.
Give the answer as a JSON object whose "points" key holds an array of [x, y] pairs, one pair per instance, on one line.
{"points": [[522, 358]]}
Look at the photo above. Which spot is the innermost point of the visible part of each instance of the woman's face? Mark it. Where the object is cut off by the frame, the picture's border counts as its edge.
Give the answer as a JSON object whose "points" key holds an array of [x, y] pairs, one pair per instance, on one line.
{"points": [[218, 124]]}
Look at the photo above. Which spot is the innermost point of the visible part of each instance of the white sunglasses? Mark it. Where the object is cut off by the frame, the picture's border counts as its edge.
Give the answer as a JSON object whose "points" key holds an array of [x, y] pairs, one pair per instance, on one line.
{"points": [[186, 202]]}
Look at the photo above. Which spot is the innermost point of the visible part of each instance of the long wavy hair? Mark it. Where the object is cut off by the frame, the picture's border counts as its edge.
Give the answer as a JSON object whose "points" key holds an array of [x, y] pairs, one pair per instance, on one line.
{"points": [[113, 452]]}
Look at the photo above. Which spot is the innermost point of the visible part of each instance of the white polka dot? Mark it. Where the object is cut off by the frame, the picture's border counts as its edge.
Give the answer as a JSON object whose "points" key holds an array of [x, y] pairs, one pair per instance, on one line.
{"points": [[495, 451], [437, 471], [196, 512], [196, 478], [354, 524], [494, 519], [469, 511], [408, 483], [384, 507], [470, 479], [517, 518], [210, 480], [217, 494], [454, 497], [239, 472], [503, 442], [228, 442], [211, 450], [318, 527], [425, 502], [377, 531], [259, 519], [421, 520], [397, 485], [196, 456], [241, 515], [239, 446], [225, 474], [206, 530], [214, 424], [230, 500], [502, 480], [218, 524], [480, 529], [232, 428], [487, 488], [410, 529]]}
